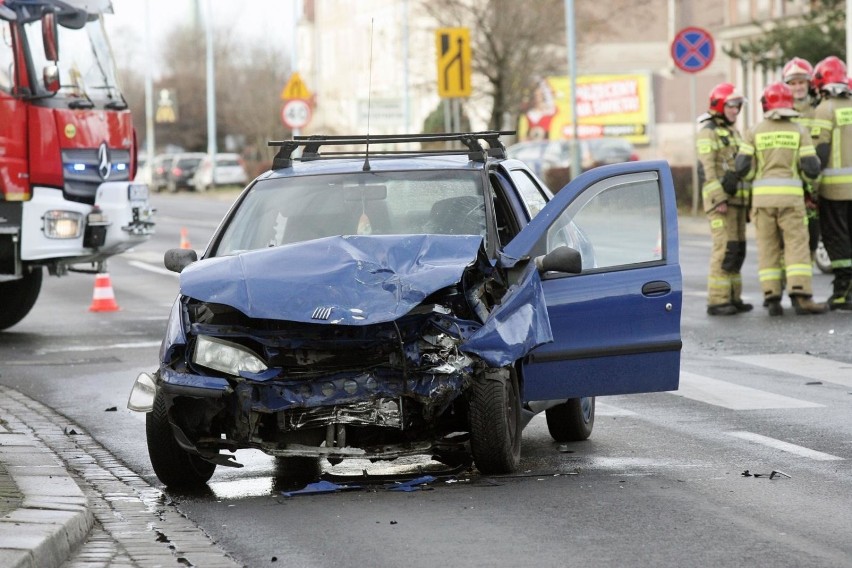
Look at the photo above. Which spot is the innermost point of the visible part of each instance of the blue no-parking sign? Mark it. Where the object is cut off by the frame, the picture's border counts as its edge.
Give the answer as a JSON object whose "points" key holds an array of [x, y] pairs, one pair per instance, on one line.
{"points": [[693, 49]]}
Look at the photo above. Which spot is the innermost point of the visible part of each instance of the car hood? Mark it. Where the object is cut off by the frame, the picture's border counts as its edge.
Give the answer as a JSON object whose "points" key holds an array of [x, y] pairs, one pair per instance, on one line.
{"points": [[352, 280]]}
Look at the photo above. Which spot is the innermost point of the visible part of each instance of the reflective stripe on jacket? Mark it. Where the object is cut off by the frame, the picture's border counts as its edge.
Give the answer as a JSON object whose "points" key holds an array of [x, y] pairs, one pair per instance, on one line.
{"points": [[774, 149], [833, 124]]}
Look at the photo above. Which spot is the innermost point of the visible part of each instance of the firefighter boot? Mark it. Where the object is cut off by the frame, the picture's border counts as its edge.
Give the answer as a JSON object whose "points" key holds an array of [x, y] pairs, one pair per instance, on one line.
{"points": [[742, 306], [805, 305], [722, 310], [774, 305], [841, 299]]}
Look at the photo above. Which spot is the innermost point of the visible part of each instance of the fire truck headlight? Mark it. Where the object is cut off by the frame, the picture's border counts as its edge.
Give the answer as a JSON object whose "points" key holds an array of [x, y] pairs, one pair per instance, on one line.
{"points": [[62, 224]]}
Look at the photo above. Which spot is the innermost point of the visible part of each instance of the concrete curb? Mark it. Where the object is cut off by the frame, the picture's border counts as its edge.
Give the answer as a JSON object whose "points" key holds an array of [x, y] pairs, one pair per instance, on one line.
{"points": [[53, 518]]}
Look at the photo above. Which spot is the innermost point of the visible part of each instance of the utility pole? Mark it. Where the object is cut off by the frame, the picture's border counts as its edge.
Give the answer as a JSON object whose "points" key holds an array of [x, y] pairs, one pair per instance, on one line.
{"points": [[211, 91]]}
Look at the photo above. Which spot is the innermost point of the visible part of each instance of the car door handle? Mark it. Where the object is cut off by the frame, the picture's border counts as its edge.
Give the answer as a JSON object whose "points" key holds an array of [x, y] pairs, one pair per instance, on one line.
{"points": [[656, 288]]}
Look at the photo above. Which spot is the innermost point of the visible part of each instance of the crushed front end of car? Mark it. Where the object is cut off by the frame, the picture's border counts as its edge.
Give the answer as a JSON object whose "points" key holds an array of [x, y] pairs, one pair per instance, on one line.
{"points": [[342, 347]]}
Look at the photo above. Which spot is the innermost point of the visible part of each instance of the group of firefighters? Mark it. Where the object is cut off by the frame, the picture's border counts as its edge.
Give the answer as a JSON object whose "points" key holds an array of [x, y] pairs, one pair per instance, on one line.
{"points": [[791, 175]]}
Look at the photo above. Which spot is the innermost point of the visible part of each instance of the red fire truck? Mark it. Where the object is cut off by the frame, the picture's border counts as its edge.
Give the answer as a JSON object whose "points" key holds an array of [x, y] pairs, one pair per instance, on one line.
{"points": [[67, 150]]}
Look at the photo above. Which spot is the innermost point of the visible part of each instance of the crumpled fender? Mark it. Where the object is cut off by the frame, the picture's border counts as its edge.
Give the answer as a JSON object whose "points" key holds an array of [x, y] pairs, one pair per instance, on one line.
{"points": [[515, 327]]}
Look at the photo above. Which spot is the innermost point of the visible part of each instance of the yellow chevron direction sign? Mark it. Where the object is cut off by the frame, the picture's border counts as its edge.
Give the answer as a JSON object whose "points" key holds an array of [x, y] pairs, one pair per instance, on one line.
{"points": [[295, 88], [454, 62]]}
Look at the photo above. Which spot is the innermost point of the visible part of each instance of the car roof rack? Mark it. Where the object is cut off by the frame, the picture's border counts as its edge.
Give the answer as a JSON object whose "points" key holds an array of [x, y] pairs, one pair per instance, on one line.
{"points": [[471, 140]]}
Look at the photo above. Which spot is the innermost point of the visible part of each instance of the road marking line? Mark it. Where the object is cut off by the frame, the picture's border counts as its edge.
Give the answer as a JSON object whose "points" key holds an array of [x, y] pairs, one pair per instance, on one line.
{"points": [[151, 268], [785, 446], [105, 348], [805, 365], [733, 396], [604, 409]]}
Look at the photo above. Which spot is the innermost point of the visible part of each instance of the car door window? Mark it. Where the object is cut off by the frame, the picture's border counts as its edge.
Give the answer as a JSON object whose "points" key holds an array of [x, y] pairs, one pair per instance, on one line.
{"points": [[534, 200], [615, 223]]}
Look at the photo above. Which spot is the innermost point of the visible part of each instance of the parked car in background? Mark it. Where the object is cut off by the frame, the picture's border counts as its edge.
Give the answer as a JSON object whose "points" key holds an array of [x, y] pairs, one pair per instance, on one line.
{"points": [[230, 170], [413, 303], [551, 159], [160, 166], [182, 170]]}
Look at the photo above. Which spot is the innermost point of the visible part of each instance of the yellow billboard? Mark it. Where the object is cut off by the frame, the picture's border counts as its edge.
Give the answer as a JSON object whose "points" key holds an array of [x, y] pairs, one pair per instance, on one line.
{"points": [[607, 105]]}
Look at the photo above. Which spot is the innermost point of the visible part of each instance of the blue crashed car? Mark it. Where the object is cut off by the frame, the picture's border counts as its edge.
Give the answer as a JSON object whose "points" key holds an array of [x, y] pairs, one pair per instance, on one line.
{"points": [[386, 301]]}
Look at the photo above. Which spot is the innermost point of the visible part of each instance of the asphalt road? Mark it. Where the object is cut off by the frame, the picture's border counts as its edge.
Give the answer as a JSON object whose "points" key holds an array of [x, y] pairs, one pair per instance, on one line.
{"points": [[660, 483]]}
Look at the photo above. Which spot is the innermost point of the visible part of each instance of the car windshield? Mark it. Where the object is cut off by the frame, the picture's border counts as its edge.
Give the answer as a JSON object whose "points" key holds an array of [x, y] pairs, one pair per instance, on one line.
{"points": [[294, 209]]}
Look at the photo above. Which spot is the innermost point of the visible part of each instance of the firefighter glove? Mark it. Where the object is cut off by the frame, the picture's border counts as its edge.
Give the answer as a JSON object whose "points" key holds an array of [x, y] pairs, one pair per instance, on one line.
{"points": [[729, 183]]}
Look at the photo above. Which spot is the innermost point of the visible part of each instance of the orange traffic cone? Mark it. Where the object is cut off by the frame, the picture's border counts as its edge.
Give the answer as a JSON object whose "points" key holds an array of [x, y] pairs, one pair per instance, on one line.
{"points": [[184, 239], [103, 299]]}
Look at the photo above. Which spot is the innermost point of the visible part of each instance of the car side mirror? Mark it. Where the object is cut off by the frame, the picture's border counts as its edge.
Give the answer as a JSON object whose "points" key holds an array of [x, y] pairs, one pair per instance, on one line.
{"points": [[177, 259], [50, 75], [560, 259], [49, 35]]}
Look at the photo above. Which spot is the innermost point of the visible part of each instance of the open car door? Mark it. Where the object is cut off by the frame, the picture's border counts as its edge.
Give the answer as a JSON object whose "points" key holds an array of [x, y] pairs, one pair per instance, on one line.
{"points": [[616, 325]]}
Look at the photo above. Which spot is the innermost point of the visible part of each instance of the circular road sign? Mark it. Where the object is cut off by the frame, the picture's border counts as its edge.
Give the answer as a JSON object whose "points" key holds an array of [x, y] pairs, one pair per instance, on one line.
{"points": [[296, 113], [693, 49]]}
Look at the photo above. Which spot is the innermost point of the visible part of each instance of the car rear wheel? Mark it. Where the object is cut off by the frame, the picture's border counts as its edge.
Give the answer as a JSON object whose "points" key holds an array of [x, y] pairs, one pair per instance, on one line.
{"points": [[571, 421], [174, 466], [19, 297], [495, 422]]}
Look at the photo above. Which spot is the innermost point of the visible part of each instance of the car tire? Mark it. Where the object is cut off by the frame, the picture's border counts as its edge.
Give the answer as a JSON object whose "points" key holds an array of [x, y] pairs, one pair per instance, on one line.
{"points": [[174, 466], [571, 421], [19, 297], [495, 421], [823, 263]]}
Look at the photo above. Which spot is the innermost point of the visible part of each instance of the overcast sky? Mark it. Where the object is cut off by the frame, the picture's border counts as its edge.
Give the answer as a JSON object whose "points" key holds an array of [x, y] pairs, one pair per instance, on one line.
{"points": [[249, 20]]}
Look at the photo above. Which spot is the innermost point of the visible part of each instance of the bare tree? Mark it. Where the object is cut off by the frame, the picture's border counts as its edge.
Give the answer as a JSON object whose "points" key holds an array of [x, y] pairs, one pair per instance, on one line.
{"points": [[514, 44], [253, 108], [249, 80]]}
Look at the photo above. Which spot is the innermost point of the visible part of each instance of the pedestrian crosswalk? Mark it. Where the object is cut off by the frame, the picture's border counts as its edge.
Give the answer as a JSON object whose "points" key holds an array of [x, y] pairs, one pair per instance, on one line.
{"points": [[734, 396], [815, 368], [763, 393]]}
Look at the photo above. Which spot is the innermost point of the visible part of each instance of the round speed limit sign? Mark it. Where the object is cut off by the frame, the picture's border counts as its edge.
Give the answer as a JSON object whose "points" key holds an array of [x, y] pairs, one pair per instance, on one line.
{"points": [[296, 113]]}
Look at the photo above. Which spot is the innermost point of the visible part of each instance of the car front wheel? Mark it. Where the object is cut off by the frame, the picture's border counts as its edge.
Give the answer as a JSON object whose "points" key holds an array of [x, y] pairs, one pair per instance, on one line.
{"points": [[571, 421], [174, 466], [495, 422]]}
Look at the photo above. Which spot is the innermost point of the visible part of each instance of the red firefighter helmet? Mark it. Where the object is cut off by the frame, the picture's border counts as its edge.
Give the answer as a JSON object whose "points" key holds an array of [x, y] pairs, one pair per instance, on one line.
{"points": [[829, 70], [797, 68], [775, 96], [722, 94]]}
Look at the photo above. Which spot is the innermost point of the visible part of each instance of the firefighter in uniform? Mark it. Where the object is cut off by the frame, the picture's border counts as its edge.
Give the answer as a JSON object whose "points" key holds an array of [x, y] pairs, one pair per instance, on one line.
{"points": [[833, 128], [798, 73], [773, 155], [725, 200]]}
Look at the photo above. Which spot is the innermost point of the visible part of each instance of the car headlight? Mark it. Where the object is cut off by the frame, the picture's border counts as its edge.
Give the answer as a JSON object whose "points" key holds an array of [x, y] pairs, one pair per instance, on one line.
{"points": [[225, 356]]}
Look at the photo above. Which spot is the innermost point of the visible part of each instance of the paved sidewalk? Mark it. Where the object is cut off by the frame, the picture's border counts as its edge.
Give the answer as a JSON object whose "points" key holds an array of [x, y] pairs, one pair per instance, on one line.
{"points": [[65, 501], [45, 516]]}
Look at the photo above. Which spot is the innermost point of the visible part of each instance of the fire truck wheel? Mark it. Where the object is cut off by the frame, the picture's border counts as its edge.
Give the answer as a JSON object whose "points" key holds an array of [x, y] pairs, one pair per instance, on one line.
{"points": [[19, 296]]}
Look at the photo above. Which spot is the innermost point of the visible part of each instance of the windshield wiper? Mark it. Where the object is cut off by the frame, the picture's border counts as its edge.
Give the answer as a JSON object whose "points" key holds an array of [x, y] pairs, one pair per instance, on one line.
{"points": [[116, 105], [81, 103]]}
